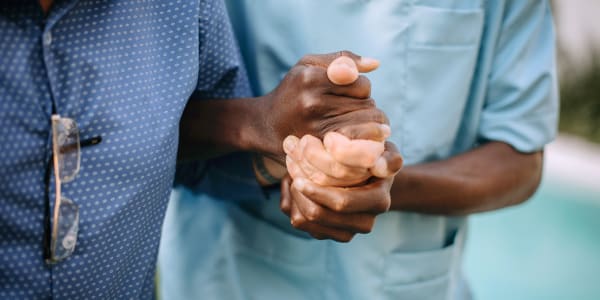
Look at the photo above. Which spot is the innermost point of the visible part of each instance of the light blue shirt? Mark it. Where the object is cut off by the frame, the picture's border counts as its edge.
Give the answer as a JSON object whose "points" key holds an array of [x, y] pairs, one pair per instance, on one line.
{"points": [[454, 74]]}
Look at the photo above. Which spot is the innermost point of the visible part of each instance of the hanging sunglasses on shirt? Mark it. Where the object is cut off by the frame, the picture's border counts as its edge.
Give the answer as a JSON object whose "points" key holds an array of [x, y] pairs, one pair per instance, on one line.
{"points": [[66, 161]]}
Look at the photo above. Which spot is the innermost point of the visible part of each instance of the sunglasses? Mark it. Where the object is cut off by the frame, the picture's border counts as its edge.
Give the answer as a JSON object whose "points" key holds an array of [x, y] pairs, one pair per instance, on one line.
{"points": [[66, 157]]}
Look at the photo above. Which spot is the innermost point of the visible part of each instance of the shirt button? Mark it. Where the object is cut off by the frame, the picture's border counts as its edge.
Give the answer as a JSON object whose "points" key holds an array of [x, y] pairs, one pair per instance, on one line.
{"points": [[47, 38]]}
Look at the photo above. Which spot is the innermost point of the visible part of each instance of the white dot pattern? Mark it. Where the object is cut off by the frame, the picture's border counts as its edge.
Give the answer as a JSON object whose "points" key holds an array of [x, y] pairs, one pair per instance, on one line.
{"points": [[123, 70]]}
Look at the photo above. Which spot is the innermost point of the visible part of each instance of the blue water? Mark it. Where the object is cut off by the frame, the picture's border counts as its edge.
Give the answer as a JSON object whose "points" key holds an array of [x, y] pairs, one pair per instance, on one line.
{"points": [[547, 248]]}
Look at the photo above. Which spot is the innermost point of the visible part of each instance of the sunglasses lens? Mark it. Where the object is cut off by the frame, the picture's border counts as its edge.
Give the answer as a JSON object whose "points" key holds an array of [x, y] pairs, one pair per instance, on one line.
{"points": [[67, 140], [68, 226]]}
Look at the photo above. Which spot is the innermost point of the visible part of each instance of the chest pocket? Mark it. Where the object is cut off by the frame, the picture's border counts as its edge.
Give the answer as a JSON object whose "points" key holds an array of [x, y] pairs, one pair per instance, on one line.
{"points": [[441, 56], [426, 275]]}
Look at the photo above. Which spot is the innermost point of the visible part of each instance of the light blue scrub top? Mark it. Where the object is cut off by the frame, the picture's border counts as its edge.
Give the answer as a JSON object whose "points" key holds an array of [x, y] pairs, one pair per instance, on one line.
{"points": [[454, 74]]}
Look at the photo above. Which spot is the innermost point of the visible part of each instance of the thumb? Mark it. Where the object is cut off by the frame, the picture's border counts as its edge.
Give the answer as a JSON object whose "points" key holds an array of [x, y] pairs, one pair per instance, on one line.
{"points": [[344, 70]]}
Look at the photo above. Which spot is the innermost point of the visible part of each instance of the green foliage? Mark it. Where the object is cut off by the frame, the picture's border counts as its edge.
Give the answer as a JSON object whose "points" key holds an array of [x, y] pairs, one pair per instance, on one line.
{"points": [[580, 103]]}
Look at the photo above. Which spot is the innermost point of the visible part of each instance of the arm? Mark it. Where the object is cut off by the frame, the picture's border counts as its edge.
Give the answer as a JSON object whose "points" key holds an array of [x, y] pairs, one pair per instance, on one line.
{"points": [[305, 102], [487, 178], [238, 122], [520, 110]]}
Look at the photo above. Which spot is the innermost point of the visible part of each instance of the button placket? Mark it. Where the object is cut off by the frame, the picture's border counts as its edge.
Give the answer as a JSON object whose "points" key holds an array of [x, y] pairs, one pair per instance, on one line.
{"points": [[47, 38]]}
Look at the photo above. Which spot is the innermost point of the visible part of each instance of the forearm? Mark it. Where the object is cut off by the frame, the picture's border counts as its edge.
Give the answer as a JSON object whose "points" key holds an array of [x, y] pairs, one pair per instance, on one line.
{"points": [[487, 178], [211, 128], [305, 102]]}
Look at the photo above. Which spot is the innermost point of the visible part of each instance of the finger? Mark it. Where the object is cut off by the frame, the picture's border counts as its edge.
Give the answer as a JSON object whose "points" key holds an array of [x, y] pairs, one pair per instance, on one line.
{"points": [[359, 88], [290, 147], [305, 170], [316, 77], [290, 143], [320, 95], [355, 153], [342, 71], [293, 169], [321, 168], [315, 213], [363, 64], [357, 116], [339, 105], [318, 177], [388, 164], [367, 131], [285, 202], [373, 197], [315, 176], [319, 232]]}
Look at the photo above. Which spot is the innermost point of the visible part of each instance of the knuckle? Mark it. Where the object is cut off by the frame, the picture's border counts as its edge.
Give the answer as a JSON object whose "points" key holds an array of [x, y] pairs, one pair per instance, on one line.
{"points": [[284, 206], [298, 221], [364, 87], [313, 213], [367, 225], [384, 203], [345, 238], [309, 76], [309, 104], [341, 204]]}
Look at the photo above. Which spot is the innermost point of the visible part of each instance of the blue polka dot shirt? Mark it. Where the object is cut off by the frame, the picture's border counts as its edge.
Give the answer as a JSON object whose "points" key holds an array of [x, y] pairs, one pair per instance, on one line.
{"points": [[123, 70]]}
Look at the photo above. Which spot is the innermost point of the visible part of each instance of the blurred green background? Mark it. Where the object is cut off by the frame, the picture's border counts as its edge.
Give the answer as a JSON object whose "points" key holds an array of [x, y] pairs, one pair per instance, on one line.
{"points": [[549, 247]]}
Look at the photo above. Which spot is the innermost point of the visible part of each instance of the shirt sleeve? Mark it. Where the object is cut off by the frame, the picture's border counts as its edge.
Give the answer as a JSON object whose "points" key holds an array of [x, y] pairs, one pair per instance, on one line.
{"points": [[521, 105], [222, 76]]}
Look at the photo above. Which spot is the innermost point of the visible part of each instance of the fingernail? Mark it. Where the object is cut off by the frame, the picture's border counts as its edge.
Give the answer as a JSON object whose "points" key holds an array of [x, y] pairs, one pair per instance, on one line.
{"points": [[289, 143], [387, 130], [380, 167], [369, 61]]}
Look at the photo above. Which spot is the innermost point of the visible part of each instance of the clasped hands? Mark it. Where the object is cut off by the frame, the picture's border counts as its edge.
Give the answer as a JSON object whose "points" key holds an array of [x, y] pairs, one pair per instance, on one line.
{"points": [[338, 185]]}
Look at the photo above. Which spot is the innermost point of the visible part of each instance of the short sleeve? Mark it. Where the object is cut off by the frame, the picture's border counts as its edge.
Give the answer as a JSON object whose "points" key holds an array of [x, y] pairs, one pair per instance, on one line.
{"points": [[221, 76], [521, 105], [221, 71]]}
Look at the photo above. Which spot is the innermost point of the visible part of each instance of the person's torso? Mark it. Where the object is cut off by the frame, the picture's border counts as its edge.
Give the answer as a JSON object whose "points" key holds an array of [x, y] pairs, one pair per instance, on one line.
{"points": [[434, 56], [123, 70], [429, 52]]}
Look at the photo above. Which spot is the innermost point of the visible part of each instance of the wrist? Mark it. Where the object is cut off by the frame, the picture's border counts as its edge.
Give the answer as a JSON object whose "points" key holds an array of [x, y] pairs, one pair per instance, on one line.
{"points": [[267, 171], [261, 135]]}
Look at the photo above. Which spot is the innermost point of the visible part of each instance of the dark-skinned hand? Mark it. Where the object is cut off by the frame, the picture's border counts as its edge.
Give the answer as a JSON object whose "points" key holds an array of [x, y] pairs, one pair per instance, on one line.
{"points": [[331, 192], [308, 102]]}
